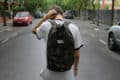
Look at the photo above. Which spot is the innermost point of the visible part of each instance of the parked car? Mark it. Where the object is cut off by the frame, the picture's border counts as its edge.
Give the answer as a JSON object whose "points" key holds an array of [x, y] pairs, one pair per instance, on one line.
{"points": [[68, 14], [114, 37], [39, 14], [22, 18]]}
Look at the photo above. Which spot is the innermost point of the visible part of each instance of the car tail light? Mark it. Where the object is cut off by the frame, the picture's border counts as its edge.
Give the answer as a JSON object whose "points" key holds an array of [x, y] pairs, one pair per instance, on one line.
{"points": [[26, 17]]}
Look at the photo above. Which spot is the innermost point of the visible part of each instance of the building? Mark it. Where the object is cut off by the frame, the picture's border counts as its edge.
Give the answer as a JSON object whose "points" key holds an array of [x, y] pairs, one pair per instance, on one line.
{"points": [[107, 4], [117, 4]]}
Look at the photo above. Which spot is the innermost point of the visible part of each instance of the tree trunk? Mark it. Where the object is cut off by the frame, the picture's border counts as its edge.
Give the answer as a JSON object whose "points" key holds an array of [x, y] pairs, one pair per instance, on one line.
{"points": [[4, 13]]}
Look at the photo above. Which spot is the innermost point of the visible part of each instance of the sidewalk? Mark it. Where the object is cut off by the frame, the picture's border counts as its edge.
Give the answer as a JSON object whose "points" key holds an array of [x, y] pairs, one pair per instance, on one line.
{"points": [[100, 26], [90, 24], [6, 32]]}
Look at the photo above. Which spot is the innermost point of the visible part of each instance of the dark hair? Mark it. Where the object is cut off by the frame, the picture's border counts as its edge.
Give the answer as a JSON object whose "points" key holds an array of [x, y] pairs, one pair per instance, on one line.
{"points": [[57, 8]]}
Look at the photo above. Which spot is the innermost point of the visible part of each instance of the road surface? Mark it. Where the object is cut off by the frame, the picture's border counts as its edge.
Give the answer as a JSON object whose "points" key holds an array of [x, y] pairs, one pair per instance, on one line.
{"points": [[22, 57]]}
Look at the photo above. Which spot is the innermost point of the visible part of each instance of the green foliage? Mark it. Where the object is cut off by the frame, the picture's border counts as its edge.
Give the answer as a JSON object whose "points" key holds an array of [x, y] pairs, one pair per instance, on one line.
{"points": [[44, 5], [1, 8], [30, 7], [34, 5], [18, 8], [106, 7]]}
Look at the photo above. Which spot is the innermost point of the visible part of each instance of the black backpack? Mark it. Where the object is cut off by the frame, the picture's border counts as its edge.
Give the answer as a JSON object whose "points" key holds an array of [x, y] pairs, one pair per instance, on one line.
{"points": [[60, 47]]}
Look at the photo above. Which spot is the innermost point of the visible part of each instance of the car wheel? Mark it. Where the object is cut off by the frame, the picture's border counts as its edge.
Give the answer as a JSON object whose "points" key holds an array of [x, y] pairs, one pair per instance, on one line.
{"points": [[28, 23], [111, 42], [31, 22]]}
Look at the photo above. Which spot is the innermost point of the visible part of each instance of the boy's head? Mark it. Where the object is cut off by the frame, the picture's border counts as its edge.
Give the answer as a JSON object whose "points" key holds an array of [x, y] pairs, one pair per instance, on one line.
{"points": [[58, 9]]}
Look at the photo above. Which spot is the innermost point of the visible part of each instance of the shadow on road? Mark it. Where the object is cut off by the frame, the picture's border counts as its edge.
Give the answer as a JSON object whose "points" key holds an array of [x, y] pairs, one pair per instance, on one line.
{"points": [[117, 51]]}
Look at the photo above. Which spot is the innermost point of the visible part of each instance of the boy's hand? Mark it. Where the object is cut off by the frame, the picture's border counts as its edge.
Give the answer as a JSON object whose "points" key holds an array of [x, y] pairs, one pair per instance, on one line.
{"points": [[34, 30], [51, 14], [75, 72]]}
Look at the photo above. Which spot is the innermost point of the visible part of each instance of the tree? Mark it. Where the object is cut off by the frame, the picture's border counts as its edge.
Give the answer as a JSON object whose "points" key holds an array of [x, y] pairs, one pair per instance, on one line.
{"points": [[43, 5], [34, 5]]}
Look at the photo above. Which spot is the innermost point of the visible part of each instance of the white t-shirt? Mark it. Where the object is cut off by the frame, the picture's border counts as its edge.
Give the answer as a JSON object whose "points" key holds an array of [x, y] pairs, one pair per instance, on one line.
{"points": [[44, 29], [43, 32]]}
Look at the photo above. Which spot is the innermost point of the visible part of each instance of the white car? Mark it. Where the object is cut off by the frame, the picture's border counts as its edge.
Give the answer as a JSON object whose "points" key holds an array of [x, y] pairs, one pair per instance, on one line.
{"points": [[114, 37]]}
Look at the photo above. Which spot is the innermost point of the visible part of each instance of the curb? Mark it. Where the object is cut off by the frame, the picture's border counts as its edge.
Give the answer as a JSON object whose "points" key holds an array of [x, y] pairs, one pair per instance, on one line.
{"points": [[95, 24]]}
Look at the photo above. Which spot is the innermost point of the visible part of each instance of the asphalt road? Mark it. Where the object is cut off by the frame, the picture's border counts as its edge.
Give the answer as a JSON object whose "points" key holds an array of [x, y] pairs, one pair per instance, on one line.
{"points": [[22, 57]]}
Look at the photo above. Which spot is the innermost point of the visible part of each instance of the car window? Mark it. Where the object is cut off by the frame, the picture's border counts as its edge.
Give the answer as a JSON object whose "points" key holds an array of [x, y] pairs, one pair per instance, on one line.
{"points": [[21, 14]]}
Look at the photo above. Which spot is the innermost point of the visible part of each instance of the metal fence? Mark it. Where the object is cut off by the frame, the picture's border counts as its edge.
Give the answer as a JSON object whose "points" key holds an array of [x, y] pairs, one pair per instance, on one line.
{"points": [[103, 16]]}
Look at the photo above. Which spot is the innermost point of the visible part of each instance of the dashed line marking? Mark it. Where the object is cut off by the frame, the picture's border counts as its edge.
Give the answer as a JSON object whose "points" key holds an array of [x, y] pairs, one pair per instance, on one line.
{"points": [[96, 29], [102, 41], [5, 40]]}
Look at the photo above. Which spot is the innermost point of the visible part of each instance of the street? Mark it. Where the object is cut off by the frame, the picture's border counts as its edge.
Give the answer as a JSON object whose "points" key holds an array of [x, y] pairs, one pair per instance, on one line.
{"points": [[23, 56]]}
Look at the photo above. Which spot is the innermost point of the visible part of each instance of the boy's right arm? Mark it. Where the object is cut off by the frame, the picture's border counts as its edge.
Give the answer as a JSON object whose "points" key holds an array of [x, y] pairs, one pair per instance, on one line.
{"points": [[39, 23], [76, 62], [50, 15]]}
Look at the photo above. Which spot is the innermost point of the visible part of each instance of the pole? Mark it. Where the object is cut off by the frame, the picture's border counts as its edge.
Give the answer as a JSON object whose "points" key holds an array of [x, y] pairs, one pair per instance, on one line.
{"points": [[112, 13], [98, 12]]}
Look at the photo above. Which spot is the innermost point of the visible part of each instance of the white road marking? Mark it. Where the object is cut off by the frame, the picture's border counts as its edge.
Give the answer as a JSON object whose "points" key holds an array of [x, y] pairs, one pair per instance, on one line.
{"points": [[8, 29], [5, 40], [96, 29], [14, 35], [103, 42]]}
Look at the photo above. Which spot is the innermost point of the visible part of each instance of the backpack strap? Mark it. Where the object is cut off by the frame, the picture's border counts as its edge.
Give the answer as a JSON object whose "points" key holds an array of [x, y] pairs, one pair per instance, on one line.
{"points": [[66, 23], [54, 24]]}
